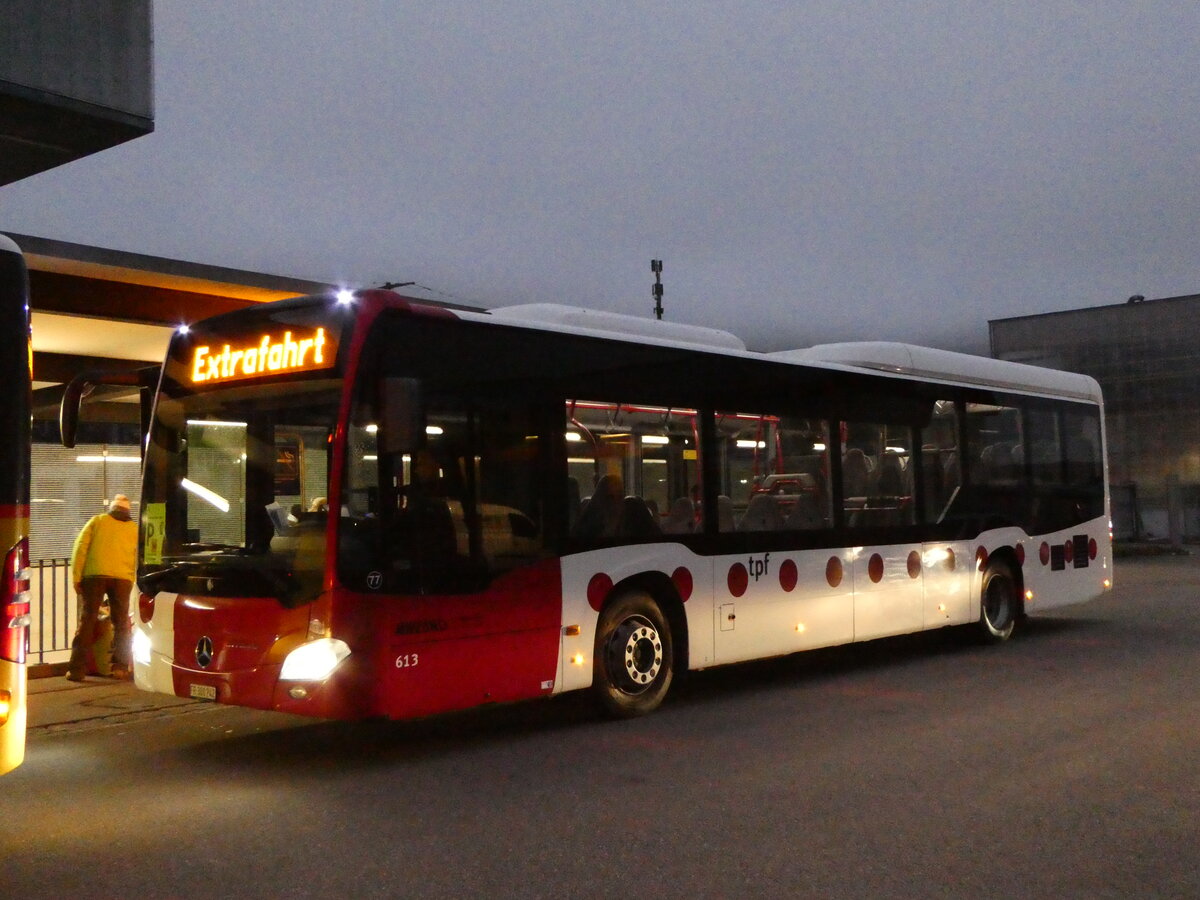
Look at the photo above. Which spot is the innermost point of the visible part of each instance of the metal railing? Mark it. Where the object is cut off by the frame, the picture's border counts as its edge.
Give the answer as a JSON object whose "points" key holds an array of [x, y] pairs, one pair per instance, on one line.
{"points": [[53, 612]]}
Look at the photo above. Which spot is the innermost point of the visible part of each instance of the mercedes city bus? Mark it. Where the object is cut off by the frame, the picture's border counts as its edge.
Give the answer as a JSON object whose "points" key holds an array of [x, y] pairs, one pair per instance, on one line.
{"points": [[361, 506]]}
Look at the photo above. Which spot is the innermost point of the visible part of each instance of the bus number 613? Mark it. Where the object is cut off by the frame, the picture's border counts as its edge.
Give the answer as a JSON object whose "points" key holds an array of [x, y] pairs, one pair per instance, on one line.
{"points": [[407, 660]]}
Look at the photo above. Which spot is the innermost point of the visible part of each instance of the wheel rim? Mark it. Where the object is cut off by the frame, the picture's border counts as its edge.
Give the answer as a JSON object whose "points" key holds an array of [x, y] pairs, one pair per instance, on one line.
{"points": [[997, 605], [635, 653]]}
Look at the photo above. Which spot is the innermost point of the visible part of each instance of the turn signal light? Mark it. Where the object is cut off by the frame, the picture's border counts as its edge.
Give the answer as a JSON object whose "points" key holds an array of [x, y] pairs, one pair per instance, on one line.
{"points": [[145, 607]]}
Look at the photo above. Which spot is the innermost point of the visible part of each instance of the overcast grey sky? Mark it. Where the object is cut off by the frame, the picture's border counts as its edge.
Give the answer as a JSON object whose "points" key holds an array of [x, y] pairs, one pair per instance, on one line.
{"points": [[808, 171]]}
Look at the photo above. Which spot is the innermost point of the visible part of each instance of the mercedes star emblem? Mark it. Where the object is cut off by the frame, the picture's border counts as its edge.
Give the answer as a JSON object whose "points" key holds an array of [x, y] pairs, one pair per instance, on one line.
{"points": [[204, 651]]}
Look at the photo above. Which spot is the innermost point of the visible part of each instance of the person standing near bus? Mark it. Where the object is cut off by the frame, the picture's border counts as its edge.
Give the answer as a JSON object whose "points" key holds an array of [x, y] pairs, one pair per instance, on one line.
{"points": [[103, 562]]}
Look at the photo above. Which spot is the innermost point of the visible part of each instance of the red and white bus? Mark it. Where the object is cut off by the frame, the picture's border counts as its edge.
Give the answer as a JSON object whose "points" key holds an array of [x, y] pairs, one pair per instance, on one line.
{"points": [[365, 506]]}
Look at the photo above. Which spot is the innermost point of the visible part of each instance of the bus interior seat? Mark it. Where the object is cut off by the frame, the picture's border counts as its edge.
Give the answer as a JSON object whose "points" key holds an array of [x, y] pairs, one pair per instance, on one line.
{"points": [[725, 513], [892, 476], [1017, 459], [601, 517], [806, 514], [682, 517], [762, 514], [995, 462], [637, 521], [856, 473]]}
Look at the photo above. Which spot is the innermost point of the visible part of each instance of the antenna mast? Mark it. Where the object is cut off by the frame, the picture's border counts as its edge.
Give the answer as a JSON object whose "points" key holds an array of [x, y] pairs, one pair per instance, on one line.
{"points": [[657, 288]]}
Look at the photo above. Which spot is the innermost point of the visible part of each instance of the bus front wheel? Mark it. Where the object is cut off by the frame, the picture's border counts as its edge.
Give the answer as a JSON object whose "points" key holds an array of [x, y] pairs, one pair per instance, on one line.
{"points": [[634, 660], [998, 606]]}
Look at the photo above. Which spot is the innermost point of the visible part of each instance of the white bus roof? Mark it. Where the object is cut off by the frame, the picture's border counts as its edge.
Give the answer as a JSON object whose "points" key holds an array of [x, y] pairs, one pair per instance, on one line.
{"points": [[945, 365], [925, 363], [574, 318]]}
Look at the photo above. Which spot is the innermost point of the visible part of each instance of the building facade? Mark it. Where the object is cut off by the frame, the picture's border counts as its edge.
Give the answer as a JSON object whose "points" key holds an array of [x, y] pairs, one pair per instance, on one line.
{"points": [[76, 77], [1146, 357]]}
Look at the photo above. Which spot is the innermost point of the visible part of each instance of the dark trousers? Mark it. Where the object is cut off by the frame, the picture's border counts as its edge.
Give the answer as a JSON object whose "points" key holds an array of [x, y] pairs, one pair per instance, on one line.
{"points": [[93, 591]]}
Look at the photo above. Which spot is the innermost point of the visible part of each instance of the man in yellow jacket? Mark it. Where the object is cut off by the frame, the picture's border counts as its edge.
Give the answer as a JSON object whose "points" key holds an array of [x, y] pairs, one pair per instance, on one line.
{"points": [[103, 562]]}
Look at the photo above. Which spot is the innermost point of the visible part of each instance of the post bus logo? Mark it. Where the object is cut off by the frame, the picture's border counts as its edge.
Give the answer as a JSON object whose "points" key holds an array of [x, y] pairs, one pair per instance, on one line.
{"points": [[267, 356]]}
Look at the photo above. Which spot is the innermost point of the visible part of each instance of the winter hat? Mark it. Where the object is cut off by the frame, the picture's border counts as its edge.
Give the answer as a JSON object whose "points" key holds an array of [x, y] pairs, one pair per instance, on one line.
{"points": [[120, 501]]}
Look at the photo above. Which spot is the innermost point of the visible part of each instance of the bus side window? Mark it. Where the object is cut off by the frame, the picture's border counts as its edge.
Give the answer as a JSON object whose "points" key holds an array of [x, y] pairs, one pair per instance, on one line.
{"points": [[508, 489], [633, 472], [1044, 446], [1068, 487], [877, 475], [1081, 435], [774, 473], [995, 445]]}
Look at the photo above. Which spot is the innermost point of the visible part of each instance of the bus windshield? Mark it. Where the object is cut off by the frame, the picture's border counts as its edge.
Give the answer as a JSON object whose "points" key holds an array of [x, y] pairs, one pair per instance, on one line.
{"points": [[236, 490]]}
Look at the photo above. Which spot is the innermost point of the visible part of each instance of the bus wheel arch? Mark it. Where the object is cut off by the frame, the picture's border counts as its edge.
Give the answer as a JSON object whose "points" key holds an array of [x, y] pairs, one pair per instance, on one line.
{"points": [[637, 651], [1000, 597]]}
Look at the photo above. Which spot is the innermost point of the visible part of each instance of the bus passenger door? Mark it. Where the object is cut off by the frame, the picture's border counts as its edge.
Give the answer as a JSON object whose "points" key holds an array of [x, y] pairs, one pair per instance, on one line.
{"points": [[877, 497], [774, 493], [948, 564]]}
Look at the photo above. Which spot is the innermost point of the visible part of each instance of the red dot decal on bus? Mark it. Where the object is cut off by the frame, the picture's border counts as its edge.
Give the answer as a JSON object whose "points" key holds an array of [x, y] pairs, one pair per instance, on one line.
{"points": [[1069, 551], [981, 558], [682, 579], [875, 568], [951, 560], [914, 564], [739, 579], [598, 590], [833, 571], [789, 575], [1020, 554], [1092, 549], [1044, 553]]}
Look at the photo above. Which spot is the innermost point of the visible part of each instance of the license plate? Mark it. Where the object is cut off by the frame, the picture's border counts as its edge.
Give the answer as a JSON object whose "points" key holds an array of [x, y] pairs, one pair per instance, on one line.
{"points": [[202, 691]]}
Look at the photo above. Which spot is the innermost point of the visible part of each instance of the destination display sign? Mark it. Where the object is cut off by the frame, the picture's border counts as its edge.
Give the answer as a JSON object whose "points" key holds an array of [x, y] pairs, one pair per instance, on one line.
{"points": [[265, 354]]}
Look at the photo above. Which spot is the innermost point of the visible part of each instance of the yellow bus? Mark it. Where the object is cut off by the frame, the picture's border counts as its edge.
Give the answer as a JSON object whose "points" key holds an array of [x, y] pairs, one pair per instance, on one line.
{"points": [[16, 366]]}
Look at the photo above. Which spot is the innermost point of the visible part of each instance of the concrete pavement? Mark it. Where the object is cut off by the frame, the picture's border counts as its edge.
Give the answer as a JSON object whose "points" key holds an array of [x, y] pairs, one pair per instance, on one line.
{"points": [[56, 703]]}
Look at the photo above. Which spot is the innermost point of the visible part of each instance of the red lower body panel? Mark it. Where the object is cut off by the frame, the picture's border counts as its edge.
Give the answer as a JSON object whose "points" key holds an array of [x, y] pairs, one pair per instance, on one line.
{"points": [[409, 656]]}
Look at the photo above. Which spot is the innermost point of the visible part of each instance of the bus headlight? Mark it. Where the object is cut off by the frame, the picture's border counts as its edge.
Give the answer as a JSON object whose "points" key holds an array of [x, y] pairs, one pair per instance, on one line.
{"points": [[141, 647], [314, 661]]}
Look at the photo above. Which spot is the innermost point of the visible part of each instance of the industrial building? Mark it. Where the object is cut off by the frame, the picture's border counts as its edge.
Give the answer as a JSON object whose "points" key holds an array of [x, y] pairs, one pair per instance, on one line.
{"points": [[1145, 355]]}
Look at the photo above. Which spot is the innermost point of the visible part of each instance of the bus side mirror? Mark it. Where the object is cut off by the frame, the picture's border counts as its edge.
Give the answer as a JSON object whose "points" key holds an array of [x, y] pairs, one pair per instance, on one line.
{"points": [[400, 404], [83, 384], [68, 410]]}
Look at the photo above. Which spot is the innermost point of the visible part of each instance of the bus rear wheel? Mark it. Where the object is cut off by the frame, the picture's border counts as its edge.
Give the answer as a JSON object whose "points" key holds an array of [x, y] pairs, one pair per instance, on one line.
{"points": [[634, 660], [998, 608]]}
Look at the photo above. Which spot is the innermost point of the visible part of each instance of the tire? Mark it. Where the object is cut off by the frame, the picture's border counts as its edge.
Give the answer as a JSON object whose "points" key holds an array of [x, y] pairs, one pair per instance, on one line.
{"points": [[634, 660], [998, 605]]}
